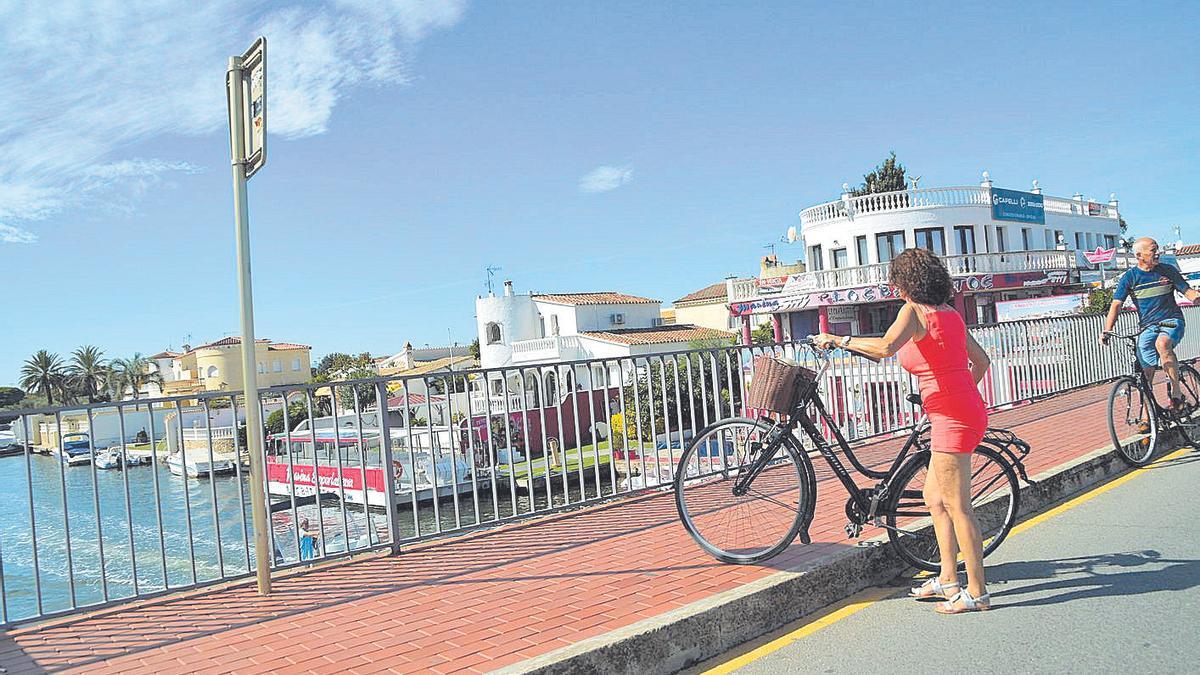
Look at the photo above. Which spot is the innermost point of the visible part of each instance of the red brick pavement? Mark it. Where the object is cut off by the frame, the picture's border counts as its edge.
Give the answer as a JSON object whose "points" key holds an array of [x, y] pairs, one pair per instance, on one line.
{"points": [[478, 602]]}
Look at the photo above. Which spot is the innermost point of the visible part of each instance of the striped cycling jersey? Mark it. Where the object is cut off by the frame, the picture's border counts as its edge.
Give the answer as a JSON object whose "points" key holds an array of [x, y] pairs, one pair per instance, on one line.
{"points": [[1153, 292]]}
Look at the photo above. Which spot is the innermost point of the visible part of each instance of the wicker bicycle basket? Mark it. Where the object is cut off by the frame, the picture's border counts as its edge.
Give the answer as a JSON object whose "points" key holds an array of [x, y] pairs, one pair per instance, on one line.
{"points": [[777, 384]]}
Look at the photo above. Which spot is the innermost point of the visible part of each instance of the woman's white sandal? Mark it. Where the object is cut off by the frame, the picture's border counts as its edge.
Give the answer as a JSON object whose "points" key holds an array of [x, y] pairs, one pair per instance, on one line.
{"points": [[934, 588], [968, 603]]}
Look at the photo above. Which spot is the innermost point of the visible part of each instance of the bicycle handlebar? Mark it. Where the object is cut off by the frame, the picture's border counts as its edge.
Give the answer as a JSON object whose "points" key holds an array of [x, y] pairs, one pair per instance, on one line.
{"points": [[1168, 323]]}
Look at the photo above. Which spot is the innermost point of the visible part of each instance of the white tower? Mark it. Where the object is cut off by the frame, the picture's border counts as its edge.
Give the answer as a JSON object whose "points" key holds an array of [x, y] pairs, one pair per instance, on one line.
{"points": [[500, 322]]}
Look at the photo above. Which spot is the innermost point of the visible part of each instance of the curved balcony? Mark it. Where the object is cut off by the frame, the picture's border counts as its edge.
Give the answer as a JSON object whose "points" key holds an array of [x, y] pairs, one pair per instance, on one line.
{"points": [[743, 290], [972, 195]]}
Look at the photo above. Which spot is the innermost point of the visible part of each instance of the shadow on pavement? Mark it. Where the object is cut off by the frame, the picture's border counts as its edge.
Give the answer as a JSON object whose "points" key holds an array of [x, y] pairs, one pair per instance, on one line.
{"points": [[1111, 574]]}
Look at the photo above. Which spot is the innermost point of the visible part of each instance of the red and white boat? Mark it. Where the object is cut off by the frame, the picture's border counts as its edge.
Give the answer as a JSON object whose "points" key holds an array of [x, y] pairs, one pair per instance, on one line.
{"points": [[347, 462]]}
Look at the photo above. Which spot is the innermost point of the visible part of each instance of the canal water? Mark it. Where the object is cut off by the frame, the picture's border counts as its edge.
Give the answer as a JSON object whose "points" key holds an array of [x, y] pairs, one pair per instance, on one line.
{"points": [[169, 549]]}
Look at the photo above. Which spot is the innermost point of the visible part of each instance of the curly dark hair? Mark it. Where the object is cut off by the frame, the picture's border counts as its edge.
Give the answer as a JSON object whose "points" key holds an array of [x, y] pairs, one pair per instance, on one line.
{"points": [[922, 277]]}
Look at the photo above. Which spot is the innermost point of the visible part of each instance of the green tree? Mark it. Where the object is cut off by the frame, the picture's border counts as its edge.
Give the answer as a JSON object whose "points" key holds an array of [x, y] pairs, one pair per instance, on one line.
{"points": [[88, 371], [473, 349], [339, 367], [712, 373], [887, 177], [763, 335], [297, 412], [43, 373], [10, 396], [135, 373], [1098, 301]]}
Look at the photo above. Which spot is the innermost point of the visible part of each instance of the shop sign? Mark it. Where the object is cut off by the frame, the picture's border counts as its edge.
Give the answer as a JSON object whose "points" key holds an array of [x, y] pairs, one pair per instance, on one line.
{"points": [[1017, 206]]}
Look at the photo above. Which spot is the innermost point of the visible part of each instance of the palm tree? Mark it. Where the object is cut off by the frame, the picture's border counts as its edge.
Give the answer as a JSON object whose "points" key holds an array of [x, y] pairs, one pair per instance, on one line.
{"points": [[135, 373], [43, 373], [88, 371]]}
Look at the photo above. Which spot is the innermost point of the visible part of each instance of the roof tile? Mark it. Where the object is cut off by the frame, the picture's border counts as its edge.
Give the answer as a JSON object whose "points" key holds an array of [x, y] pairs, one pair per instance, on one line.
{"points": [[716, 291], [597, 298], [659, 335]]}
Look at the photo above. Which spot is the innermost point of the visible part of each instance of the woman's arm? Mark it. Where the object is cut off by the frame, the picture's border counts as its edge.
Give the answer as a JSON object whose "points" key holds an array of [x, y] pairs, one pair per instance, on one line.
{"points": [[980, 361], [902, 330]]}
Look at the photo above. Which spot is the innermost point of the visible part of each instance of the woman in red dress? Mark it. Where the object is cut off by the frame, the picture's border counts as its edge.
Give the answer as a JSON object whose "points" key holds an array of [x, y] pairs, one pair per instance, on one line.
{"points": [[933, 344]]}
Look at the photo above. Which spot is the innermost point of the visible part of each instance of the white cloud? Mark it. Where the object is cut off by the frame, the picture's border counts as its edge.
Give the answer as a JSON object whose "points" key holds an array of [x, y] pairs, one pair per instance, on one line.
{"points": [[83, 81], [15, 235], [605, 178]]}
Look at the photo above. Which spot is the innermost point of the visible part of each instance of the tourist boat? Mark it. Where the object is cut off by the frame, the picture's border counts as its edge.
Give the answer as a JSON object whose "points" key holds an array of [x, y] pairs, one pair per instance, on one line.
{"points": [[427, 460], [198, 467], [76, 449]]}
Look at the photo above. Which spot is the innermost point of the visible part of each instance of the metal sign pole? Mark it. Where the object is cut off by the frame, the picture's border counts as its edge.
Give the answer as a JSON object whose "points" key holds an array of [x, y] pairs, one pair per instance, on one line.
{"points": [[254, 428]]}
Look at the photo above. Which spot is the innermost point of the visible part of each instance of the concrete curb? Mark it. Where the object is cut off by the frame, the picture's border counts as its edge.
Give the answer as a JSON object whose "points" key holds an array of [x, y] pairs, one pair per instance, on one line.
{"points": [[683, 637]]}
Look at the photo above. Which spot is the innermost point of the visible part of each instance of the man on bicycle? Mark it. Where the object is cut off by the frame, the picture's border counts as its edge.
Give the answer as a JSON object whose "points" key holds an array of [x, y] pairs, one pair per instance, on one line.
{"points": [[1152, 286]]}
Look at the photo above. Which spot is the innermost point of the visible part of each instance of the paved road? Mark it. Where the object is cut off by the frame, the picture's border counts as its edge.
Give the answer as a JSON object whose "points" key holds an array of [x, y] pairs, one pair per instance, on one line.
{"points": [[1111, 585]]}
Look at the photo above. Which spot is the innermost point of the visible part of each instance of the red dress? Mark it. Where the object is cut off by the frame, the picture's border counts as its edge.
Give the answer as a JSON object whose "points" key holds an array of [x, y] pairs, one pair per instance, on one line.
{"points": [[956, 410]]}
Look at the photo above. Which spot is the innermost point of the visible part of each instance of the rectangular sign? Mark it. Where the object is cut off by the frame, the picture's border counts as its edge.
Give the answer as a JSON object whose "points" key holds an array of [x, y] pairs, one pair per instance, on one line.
{"points": [[254, 93], [1038, 308], [1017, 206], [1094, 209], [253, 84]]}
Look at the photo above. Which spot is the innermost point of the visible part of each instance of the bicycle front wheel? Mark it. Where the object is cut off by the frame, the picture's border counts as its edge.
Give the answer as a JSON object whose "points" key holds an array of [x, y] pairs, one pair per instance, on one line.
{"points": [[750, 527], [1189, 418], [995, 498], [1132, 422]]}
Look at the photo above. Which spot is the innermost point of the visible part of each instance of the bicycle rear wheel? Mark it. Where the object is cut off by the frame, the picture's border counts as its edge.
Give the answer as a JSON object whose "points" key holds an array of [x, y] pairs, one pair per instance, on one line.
{"points": [[751, 527], [995, 497], [1132, 423], [1189, 420]]}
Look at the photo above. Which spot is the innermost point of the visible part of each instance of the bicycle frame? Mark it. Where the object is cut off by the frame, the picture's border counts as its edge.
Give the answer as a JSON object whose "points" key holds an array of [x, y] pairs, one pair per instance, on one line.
{"points": [[1138, 371], [866, 500]]}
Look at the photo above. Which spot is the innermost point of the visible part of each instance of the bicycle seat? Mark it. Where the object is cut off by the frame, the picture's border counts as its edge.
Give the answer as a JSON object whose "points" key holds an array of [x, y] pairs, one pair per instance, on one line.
{"points": [[914, 399]]}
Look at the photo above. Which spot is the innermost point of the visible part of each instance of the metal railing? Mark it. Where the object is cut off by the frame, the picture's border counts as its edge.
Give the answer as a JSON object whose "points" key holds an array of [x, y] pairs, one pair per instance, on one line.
{"points": [[922, 198], [345, 477]]}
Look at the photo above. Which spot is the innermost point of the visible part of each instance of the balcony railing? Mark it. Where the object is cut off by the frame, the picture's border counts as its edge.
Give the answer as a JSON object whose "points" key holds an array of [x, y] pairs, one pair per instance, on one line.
{"points": [[551, 348], [869, 275], [901, 200]]}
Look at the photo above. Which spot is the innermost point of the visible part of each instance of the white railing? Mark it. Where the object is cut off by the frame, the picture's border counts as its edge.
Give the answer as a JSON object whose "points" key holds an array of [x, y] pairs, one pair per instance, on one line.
{"points": [[496, 404], [937, 197], [869, 275], [550, 348], [200, 434]]}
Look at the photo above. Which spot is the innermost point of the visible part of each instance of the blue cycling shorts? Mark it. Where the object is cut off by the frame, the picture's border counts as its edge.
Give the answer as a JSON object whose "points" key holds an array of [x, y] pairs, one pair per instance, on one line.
{"points": [[1147, 352]]}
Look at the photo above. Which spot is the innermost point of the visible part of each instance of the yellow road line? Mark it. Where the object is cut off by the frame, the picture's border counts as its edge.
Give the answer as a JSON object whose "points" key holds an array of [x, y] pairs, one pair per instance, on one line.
{"points": [[1092, 494], [835, 613], [869, 597]]}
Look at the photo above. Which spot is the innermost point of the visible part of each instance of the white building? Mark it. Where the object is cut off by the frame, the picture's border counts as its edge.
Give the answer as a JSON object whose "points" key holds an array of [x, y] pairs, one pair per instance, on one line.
{"points": [[999, 244], [548, 330]]}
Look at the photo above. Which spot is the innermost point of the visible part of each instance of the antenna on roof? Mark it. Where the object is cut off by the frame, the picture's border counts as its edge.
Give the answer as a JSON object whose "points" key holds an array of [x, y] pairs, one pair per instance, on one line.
{"points": [[491, 274], [772, 247]]}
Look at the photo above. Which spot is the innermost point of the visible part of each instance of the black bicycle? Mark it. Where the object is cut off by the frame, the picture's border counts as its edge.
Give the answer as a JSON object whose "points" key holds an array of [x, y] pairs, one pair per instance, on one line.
{"points": [[1134, 414], [746, 488]]}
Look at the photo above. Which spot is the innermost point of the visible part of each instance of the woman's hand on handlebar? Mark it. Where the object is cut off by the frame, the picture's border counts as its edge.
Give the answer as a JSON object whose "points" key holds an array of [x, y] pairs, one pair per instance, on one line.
{"points": [[825, 341]]}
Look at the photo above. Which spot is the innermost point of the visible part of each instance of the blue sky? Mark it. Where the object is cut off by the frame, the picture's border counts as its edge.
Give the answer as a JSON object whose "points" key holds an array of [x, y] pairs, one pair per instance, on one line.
{"points": [[650, 148]]}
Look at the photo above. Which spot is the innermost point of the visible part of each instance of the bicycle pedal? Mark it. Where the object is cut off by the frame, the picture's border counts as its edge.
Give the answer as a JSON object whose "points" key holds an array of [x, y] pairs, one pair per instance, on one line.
{"points": [[853, 530]]}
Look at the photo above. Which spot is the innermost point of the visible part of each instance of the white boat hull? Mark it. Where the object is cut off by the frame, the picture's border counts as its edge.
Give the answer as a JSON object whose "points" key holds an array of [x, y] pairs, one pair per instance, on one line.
{"points": [[196, 469]]}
